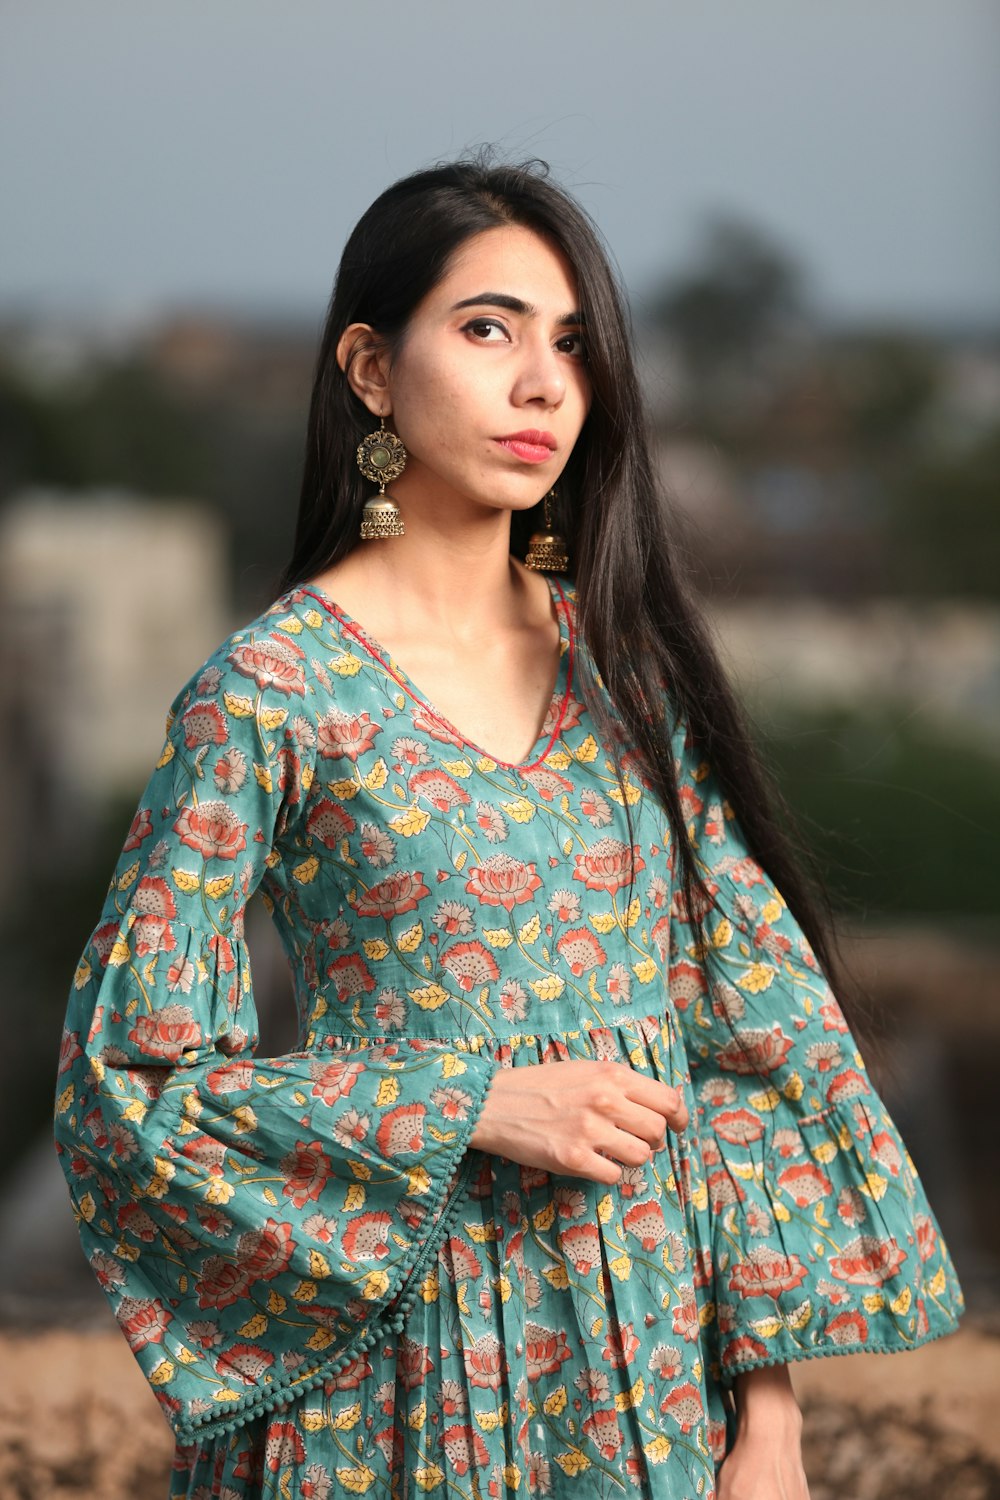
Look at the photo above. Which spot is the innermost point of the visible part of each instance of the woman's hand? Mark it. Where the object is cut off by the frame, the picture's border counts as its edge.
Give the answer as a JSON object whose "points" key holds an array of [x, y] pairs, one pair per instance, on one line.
{"points": [[765, 1461], [569, 1117]]}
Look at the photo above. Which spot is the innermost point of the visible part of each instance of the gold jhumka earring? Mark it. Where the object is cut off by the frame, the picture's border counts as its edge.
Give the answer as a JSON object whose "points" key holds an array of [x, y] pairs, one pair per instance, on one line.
{"points": [[381, 459], [547, 549]]}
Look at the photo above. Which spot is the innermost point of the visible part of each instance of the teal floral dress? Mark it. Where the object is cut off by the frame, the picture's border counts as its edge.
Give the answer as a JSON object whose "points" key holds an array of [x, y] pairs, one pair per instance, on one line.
{"points": [[329, 1291]]}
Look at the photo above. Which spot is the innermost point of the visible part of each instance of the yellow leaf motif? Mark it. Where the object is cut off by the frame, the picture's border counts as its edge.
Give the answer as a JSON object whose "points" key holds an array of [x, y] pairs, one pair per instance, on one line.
{"points": [[375, 949], [766, 1101], [305, 872], [66, 1099], [254, 1327], [937, 1283], [771, 913], [418, 1416], [354, 1198], [757, 978], [794, 1088], [344, 789], [427, 1478], [126, 878], [825, 1152], [321, 1339], [312, 1421], [603, 921], [634, 913], [486, 763], [457, 767], [237, 705], [723, 934], [291, 625], [658, 1451], [632, 792], [218, 1192], [429, 996], [410, 940], [375, 1286], [545, 1217], [587, 751], [270, 1196], [82, 976], [357, 1481], [596, 1328], [874, 1186], [162, 1374], [460, 859], [767, 1328], [531, 929], [511, 1477], [430, 1287], [645, 970], [345, 665], [272, 718], [605, 1209], [873, 1302], [319, 1266], [219, 887], [263, 776], [452, 1065], [388, 1092], [621, 1266], [559, 760], [573, 1462], [632, 1397], [377, 776], [522, 811], [418, 1181], [348, 1418], [186, 1356], [557, 1277], [361, 1171], [549, 988], [555, 1404], [166, 755], [410, 822], [88, 1207], [498, 937], [185, 880], [780, 1212], [276, 1303]]}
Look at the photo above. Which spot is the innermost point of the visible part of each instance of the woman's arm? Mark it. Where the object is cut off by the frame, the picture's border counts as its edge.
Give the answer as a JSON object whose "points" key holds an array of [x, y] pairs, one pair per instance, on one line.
{"points": [[765, 1462]]}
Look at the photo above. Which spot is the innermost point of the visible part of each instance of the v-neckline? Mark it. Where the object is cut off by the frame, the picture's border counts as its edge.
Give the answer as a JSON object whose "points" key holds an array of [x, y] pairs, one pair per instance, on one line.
{"points": [[561, 692]]}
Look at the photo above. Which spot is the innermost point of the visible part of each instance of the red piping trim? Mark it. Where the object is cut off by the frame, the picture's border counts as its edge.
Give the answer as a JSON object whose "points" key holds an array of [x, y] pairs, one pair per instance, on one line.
{"points": [[347, 624]]}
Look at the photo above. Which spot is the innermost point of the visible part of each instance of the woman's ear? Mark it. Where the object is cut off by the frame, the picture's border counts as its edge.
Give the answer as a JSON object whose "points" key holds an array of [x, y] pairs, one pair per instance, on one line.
{"points": [[364, 359]]}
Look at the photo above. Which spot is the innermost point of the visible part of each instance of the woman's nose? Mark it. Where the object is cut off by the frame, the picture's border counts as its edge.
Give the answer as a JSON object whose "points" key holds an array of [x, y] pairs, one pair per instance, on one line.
{"points": [[541, 377]]}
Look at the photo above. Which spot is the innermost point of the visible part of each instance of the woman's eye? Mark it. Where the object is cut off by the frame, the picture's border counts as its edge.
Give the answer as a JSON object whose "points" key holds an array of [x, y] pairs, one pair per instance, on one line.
{"points": [[572, 343], [481, 328]]}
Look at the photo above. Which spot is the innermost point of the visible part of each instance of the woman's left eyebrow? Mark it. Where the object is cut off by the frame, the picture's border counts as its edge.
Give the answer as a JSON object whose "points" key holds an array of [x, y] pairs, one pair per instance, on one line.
{"points": [[515, 305]]}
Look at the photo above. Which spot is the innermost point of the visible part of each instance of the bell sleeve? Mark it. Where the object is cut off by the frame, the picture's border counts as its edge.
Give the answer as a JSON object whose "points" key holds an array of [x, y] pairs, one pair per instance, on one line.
{"points": [[816, 1236], [256, 1223]]}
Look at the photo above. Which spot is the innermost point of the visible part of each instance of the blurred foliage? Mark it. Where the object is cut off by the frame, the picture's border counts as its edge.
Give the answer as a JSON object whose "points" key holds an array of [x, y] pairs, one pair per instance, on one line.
{"points": [[123, 425], [903, 818]]}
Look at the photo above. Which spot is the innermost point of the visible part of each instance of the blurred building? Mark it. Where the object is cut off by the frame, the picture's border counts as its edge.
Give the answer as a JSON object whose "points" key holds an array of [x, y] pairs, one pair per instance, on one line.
{"points": [[108, 602]]}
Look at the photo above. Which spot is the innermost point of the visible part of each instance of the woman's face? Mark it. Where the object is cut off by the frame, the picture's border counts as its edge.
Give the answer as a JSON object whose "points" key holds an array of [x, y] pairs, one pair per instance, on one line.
{"points": [[489, 388]]}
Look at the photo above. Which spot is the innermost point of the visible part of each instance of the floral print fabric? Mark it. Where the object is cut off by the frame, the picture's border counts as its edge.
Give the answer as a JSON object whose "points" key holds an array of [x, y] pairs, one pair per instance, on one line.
{"points": [[329, 1291]]}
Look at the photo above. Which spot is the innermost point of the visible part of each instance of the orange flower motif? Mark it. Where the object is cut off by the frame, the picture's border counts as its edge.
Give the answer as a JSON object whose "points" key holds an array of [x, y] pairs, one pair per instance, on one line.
{"points": [[392, 896], [212, 829], [273, 662], [343, 736], [167, 1033], [608, 865], [503, 881]]}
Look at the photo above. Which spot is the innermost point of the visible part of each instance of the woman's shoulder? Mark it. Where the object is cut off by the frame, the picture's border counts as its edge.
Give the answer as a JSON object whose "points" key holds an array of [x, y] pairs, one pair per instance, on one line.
{"points": [[273, 658]]}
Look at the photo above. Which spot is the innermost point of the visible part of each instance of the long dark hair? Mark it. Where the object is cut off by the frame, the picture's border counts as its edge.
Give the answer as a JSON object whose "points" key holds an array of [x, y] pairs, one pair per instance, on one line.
{"points": [[635, 614]]}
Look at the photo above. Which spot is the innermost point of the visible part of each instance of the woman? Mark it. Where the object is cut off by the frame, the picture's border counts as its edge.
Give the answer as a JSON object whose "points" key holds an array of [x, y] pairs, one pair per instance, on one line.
{"points": [[503, 810]]}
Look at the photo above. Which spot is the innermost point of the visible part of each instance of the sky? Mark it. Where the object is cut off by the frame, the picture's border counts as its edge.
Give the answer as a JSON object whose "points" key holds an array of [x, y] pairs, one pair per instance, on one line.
{"points": [[215, 153]]}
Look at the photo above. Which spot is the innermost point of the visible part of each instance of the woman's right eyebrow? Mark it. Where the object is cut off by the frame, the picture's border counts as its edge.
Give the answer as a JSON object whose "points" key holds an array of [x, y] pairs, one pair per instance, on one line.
{"points": [[514, 305]]}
